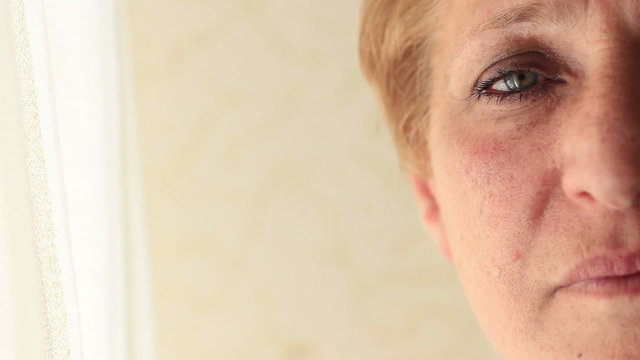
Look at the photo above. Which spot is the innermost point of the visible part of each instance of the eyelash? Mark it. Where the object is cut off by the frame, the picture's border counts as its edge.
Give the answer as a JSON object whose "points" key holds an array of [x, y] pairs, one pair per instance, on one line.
{"points": [[480, 90]]}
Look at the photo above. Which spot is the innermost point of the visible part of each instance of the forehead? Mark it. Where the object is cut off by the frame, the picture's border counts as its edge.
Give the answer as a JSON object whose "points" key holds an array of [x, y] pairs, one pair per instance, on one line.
{"points": [[471, 17], [471, 29]]}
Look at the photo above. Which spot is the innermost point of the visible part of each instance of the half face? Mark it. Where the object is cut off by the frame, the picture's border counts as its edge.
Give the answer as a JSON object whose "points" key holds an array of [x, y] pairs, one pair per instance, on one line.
{"points": [[534, 141]]}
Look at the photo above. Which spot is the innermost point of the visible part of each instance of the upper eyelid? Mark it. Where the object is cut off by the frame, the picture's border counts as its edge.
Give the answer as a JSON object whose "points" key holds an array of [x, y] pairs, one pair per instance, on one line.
{"points": [[514, 68], [536, 60]]}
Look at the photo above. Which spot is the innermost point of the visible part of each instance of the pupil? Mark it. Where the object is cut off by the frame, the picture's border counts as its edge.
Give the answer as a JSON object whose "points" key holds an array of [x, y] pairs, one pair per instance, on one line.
{"points": [[522, 77]]}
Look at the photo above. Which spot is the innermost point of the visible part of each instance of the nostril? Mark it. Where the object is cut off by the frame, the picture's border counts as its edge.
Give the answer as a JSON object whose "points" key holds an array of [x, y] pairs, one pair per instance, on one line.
{"points": [[584, 197]]}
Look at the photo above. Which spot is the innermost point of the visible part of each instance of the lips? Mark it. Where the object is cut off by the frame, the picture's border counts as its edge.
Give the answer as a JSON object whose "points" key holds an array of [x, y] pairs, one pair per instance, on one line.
{"points": [[606, 275]]}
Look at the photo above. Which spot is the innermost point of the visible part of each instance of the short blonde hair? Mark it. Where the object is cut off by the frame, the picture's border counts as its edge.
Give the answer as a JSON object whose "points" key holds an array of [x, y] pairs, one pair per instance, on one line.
{"points": [[395, 39]]}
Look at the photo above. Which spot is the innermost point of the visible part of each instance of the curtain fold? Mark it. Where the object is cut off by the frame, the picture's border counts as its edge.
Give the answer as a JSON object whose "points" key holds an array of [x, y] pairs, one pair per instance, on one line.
{"points": [[45, 183], [83, 179]]}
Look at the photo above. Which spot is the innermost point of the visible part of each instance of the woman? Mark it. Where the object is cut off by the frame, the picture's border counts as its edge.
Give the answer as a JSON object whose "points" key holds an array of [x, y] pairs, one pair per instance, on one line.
{"points": [[519, 124]]}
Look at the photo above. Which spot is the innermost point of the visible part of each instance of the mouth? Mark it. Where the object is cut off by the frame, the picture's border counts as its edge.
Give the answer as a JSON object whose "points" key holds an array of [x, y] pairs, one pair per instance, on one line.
{"points": [[607, 275]]}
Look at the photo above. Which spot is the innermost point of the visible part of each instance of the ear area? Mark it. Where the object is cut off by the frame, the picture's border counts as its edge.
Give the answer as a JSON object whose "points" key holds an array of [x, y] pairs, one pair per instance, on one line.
{"points": [[430, 213]]}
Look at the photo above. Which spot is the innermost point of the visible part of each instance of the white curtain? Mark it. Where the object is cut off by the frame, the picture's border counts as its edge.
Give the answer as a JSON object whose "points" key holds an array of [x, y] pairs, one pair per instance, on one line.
{"points": [[80, 183]]}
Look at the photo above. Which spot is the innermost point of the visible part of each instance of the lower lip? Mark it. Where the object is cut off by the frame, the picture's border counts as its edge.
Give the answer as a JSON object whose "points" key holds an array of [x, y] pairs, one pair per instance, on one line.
{"points": [[607, 286]]}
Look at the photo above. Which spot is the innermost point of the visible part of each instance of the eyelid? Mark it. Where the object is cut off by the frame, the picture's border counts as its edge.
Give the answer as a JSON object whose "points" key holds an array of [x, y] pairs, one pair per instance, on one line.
{"points": [[542, 66]]}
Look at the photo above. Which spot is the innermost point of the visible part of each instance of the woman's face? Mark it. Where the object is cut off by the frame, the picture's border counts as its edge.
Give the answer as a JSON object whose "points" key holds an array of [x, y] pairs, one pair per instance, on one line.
{"points": [[534, 141]]}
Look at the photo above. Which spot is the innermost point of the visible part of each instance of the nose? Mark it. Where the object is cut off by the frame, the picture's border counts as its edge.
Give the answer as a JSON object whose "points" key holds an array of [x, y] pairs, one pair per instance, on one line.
{"points": [[602, 142]]}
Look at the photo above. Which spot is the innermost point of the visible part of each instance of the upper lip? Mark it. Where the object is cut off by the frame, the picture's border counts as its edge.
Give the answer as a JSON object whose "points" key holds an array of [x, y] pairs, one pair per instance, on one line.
{"points": [[602, 267]]}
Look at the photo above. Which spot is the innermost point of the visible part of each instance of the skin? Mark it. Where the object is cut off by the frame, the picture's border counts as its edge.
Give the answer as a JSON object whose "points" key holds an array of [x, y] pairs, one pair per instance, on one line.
{"points": [[524, 190]]}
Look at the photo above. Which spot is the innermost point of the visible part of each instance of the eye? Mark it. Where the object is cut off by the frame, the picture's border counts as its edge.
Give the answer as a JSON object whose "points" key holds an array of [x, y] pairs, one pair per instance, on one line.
{"points": [[514, 81], [519, 79]]}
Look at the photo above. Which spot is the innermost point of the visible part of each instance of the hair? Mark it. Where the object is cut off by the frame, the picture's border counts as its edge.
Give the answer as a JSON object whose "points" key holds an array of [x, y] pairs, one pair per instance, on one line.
{"points": [[396, 37]]}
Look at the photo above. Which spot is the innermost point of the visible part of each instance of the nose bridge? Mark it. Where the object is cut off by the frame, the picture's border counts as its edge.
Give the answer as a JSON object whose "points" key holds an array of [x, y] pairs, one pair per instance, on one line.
{"points": [[603, 142], [612, 96]]}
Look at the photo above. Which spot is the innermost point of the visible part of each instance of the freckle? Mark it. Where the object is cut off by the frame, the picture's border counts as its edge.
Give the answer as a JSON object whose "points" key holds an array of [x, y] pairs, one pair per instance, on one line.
{"points": [[579, 355], [516, 256]]}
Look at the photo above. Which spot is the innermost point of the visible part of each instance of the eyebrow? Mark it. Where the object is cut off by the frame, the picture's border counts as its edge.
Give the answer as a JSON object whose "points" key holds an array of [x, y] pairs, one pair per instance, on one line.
{"points": [[538, 12]]}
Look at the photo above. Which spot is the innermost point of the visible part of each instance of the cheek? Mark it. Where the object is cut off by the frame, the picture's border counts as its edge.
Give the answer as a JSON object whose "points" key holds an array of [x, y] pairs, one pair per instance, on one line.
{"points": [[499, 190]]}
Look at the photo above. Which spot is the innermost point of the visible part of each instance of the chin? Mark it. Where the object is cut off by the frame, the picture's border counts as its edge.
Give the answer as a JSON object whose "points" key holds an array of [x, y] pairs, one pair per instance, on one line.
{"points": [[616, 337]]}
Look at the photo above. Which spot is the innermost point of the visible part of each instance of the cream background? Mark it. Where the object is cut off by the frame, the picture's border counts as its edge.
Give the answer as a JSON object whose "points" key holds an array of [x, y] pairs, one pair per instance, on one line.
{"points": [[280, 224]]}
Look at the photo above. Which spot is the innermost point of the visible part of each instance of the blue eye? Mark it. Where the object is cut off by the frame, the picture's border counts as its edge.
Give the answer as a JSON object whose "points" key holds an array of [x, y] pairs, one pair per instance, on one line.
{"points": [[514, 82], [521, 78]]}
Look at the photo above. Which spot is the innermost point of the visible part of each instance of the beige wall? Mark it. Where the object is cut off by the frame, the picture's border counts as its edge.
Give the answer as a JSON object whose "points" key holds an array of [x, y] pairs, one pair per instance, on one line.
{"points": [[281, 226]]}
